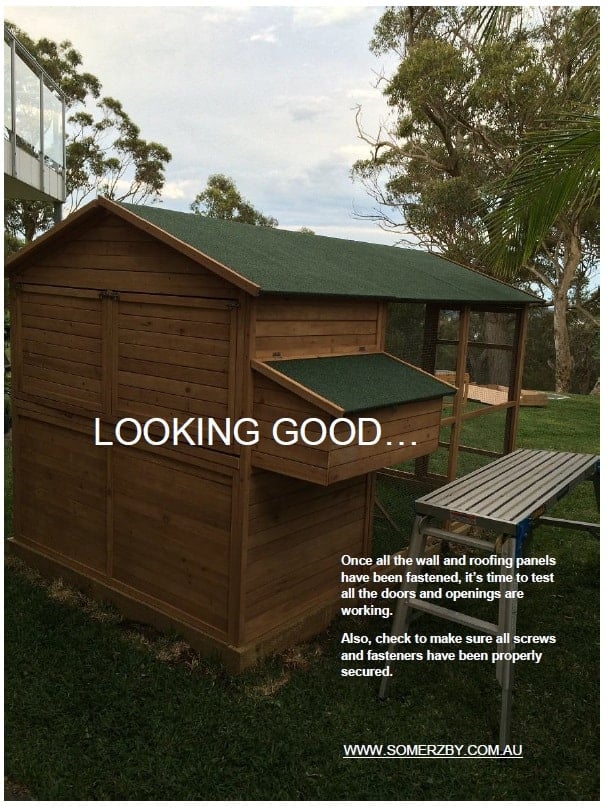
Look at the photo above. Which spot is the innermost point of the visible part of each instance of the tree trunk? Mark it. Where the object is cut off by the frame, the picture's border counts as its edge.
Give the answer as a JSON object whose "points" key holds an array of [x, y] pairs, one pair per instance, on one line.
{"points": [[492, 366], [562, 344]]}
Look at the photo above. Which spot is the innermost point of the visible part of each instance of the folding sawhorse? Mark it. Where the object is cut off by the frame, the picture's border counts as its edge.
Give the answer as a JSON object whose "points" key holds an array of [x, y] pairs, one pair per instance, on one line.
{"points": [[509, 497]]}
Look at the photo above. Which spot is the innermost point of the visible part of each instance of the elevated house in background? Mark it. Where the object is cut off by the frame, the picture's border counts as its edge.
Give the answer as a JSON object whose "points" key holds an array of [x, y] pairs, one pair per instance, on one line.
{"points": [[34, 129], [127, 311]]}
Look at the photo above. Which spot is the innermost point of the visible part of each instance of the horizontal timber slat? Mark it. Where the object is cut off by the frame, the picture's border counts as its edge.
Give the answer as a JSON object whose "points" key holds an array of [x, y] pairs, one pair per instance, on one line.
{"points": [[288, 309], [206, 393], [65, 326], [84, 369], [51, 350], [162, 260], [133, 300], [57, 338], [131, 281], [184, 328], [184, 359], [180, 373], [88, 385], [306, 345], [197, 345], [179, 405], [285, 466], [299, 328], [75, 314], [129, 408], [343, 471], [89, 400], [113, 230], [63, 296]]}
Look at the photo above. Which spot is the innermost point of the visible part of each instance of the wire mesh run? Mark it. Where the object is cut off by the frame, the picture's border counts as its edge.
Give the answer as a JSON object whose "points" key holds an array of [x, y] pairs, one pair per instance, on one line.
{"points": [[480, 351]]}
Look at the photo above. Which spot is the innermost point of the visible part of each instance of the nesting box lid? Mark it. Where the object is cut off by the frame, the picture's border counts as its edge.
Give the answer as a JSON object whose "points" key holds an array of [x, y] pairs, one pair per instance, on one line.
{"points": [[356, 382]]}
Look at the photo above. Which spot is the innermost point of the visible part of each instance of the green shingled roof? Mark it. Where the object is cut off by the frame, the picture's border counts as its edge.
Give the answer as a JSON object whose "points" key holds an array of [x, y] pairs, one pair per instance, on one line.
{"points": [[289, 263], [361, 382]]}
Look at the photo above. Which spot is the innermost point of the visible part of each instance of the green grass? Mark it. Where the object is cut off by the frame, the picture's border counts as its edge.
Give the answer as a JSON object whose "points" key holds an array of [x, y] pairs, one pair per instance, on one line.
{"points": [[98, 708]]}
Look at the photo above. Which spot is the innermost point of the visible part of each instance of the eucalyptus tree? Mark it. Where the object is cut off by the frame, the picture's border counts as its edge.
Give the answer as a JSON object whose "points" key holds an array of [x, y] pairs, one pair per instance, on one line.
{"points": [[469, 90], [220, 199]]}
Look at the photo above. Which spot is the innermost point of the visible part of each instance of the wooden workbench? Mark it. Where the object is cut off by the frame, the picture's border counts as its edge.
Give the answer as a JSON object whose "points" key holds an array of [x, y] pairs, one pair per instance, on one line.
{"points": [[508, 497]]}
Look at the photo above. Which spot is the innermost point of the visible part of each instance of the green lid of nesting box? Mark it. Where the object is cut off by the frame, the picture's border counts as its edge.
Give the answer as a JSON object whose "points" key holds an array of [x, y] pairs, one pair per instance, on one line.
{"points": [[361, 382]]}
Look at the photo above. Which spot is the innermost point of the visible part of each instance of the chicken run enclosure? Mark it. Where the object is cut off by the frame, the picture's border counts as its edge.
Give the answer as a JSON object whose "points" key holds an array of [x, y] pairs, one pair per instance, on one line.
{"points": [[141, 314]]}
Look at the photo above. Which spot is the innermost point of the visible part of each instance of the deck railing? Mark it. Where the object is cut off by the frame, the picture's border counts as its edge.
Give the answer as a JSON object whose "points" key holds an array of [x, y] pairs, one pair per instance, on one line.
{"points": [[34, 127]]}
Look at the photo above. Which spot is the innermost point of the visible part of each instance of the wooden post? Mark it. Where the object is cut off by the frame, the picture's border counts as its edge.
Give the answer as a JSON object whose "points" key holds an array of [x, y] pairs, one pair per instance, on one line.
{"points": [[511, 419], [428, 363], [243, 341], [460, 369]]}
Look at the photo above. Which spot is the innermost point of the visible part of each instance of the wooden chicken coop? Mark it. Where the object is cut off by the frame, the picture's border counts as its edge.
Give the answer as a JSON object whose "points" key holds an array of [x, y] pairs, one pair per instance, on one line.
{"points": [[127, 315]]}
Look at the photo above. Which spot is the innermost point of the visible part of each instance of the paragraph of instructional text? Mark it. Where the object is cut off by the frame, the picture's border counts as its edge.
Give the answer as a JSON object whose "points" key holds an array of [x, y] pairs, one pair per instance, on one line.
{"points": [[372, 588]]}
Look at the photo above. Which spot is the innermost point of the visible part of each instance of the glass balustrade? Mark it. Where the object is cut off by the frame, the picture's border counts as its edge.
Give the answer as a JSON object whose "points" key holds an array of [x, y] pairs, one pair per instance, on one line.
{"points": [[34, 122]]}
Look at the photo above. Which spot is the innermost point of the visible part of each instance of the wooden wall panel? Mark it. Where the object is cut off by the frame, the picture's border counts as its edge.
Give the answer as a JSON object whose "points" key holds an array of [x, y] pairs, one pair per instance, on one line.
{"points": [[290, 328], [115, 255], [60, 346], [298, 532], [172, 528], [175, 360], [407, 431], [61, 491]]}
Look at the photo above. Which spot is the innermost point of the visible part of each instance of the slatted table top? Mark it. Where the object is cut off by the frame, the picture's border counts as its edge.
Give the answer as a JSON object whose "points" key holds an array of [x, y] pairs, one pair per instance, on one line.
{"points": [[508, 494]]}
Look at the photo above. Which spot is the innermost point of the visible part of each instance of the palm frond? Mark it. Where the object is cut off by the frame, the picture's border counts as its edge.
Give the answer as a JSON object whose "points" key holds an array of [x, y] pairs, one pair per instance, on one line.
{"points": [[557, 174]]}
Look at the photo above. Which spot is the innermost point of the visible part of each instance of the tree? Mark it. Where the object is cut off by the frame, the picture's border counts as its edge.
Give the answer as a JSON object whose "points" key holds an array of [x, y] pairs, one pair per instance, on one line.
{"points": [[221, 200], [108, 156], [465, 95], [105, 153]]}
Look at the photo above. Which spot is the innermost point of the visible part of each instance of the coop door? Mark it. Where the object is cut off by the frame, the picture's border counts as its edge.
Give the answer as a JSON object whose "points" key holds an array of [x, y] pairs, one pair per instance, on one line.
{"points": [[57, 339], [121, 355], [174, 357]]}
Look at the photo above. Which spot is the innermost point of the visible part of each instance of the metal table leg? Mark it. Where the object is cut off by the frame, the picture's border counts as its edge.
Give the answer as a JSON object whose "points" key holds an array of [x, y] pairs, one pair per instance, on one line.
{"points": [[508, 607], [403, 611]]}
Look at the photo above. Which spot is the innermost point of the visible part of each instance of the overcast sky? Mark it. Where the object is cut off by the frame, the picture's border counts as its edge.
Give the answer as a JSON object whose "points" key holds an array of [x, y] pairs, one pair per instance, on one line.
{"points": [[265, 95]]}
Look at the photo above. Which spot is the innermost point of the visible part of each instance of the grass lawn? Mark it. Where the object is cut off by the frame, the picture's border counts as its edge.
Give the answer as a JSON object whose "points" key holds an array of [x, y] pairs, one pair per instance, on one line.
{"points": [[100, 708]]}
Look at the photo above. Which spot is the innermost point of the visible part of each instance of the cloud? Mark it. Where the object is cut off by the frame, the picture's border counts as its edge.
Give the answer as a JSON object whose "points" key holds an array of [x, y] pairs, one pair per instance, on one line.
{"points": [[181, 189], [360, 94], [265, 35], [305, 107], [350, 152], [326, 15]]}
